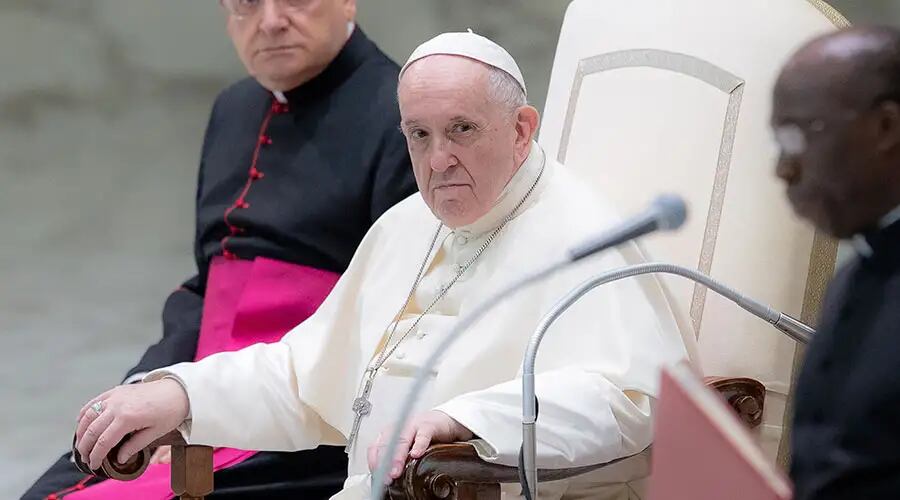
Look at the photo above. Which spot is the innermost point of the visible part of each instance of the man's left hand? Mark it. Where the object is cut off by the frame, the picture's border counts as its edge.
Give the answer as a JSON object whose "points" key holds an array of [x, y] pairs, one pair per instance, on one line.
{"points": [[424, 429]]}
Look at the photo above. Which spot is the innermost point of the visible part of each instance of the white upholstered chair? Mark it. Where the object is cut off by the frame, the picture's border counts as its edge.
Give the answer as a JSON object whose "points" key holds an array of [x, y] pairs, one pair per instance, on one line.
{"points": [[651, 96]]}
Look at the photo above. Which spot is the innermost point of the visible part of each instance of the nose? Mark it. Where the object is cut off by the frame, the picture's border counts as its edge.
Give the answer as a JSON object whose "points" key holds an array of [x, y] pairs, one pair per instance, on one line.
{"points": [[787, 168], [273, 17], [442, 158]]}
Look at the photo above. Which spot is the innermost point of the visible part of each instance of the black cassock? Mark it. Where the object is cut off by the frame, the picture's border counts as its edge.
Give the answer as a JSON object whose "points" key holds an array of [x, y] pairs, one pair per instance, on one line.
{"points": [[332, 161], [846, 435]]}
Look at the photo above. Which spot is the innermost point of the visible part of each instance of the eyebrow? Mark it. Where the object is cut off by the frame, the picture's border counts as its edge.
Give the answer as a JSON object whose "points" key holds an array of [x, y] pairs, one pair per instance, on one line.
{"points": [[457, 118]]}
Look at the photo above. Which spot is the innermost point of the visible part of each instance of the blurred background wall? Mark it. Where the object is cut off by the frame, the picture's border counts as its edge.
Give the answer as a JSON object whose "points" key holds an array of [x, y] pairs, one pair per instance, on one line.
{"points": [[102, 110]]}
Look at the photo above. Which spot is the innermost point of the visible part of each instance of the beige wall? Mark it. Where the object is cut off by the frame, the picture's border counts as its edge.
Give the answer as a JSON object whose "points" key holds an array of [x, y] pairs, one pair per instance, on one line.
{"points": [[102, 109]]}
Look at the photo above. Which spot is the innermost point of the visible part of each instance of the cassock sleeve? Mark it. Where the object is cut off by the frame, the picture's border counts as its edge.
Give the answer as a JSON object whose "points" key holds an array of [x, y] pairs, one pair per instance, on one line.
{"points": [[183, 309], [249, 399], [583, 419]]}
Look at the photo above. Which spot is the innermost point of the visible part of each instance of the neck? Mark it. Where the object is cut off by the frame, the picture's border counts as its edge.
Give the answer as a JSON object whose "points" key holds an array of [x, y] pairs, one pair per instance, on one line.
{"points": [[288, 84]]}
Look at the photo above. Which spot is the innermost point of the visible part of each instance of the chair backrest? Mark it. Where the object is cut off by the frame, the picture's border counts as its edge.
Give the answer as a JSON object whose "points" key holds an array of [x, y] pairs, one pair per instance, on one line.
{"points": [[650, 96]]}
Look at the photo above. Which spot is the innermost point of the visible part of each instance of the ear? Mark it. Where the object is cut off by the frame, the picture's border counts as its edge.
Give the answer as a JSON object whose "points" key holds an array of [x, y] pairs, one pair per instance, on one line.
{"points": [[527, 121], [349, 9], [888, 126]]}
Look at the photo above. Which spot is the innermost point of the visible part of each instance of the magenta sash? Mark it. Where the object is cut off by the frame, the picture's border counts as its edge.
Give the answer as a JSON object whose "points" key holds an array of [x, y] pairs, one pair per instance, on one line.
{"points": [[246, 302]]}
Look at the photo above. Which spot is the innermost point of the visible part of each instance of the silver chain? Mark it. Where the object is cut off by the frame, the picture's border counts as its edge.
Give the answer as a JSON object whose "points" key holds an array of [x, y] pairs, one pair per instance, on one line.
{"points": [[388, 350]]}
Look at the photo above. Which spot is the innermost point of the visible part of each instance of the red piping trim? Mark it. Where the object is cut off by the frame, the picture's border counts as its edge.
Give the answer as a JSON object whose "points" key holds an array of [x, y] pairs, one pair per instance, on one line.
{"points": [[80, 485], [254, 174]]}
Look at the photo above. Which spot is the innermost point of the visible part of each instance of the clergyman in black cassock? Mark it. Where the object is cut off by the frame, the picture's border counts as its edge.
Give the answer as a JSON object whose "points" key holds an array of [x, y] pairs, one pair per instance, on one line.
{"points": [[846, 437], [288, 185], [837, 119]]}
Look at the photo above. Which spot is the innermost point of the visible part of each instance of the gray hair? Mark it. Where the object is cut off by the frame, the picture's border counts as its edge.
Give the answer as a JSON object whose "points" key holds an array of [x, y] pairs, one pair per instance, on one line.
{"points": [[505, 90]]}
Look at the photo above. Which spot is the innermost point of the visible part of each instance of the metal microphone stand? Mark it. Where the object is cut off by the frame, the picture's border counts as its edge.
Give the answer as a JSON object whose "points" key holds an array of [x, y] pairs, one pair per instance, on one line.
{"points": [[788, 325]]}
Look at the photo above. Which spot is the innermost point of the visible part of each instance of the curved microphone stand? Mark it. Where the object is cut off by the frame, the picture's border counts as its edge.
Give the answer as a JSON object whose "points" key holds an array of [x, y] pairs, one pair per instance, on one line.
{"points": [[788, 325]]}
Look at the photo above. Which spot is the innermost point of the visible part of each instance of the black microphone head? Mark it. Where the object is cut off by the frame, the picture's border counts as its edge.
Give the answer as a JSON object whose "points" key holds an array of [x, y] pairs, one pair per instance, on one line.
{"points": [[671, 211]]}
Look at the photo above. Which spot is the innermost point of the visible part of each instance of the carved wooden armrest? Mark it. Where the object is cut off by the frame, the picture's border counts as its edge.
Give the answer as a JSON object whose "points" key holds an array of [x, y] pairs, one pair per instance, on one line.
{"points": [[747, 397], [192, 466], [455, 471]]}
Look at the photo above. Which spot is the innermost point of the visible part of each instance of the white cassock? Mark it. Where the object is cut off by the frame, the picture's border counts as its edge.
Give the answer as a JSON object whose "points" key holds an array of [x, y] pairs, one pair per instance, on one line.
{"points": [[596, 372]]}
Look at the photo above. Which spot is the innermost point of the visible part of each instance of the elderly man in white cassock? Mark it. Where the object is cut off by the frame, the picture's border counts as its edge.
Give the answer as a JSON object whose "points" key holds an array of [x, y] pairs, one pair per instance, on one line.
{"points": [[492, 206]]}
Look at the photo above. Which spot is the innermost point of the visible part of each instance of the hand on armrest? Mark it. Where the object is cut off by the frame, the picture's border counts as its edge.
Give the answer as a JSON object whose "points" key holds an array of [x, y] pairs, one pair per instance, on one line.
{"points": [[423, 430], [145, 411]]}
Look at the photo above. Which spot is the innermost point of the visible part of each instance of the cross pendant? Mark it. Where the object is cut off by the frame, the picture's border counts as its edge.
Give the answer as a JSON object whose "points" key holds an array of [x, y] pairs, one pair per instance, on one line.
{"points": [[361, 408]]}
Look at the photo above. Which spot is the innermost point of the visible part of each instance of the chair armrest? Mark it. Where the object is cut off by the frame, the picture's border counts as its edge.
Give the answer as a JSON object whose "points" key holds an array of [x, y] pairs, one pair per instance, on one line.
{"points": [[747, 397], [192, 466], [455, 471]]}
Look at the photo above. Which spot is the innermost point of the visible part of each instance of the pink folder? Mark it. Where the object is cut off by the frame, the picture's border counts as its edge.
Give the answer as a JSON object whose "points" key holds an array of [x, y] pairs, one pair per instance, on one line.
{"points": [[701, 451]]}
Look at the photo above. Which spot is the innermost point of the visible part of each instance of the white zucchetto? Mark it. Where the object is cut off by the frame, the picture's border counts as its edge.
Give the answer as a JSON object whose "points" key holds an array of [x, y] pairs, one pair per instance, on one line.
{"points": [[473, 46]]}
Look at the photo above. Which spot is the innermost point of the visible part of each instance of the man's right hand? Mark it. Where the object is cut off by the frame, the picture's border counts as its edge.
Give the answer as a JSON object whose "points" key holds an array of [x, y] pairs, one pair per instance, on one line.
{"points": [[149, 411]]}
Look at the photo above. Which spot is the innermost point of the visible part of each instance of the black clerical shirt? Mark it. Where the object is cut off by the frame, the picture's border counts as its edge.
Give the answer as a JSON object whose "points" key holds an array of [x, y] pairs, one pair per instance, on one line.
{"points": [[846, 435], [300, 181]]}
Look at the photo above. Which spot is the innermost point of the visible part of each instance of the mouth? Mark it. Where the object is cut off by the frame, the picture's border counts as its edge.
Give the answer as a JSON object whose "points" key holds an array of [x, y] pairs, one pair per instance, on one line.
{"points": [[806, 205], [276, 49], [449, 185]]}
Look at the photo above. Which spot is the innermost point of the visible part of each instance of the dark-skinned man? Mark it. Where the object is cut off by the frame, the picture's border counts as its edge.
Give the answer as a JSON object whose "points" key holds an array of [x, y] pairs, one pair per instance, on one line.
{"points": [[836, 116]]}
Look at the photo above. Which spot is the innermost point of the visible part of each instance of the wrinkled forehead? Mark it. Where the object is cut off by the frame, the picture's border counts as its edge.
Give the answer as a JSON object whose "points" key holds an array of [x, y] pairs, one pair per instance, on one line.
{"points": [[450, 79], [450, 69]]}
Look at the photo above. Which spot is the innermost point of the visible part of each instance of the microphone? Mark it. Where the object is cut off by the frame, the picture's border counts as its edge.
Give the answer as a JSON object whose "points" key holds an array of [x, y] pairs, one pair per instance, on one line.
{"points": [[667, 212], [788, 325]]}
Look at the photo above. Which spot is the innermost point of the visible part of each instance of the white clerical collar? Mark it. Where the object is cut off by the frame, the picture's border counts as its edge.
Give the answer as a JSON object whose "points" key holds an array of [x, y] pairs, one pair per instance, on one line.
{"points": [[512, 194], [891, 217], [861, 244]]}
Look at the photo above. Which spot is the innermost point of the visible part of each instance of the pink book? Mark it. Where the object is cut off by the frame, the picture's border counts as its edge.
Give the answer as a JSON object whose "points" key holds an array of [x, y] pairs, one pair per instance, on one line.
{"points": [[702, 451]]}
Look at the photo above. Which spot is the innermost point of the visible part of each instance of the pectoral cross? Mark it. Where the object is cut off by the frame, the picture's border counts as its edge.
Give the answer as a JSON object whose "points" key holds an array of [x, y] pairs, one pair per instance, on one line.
{"points": [[361, 408]]}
